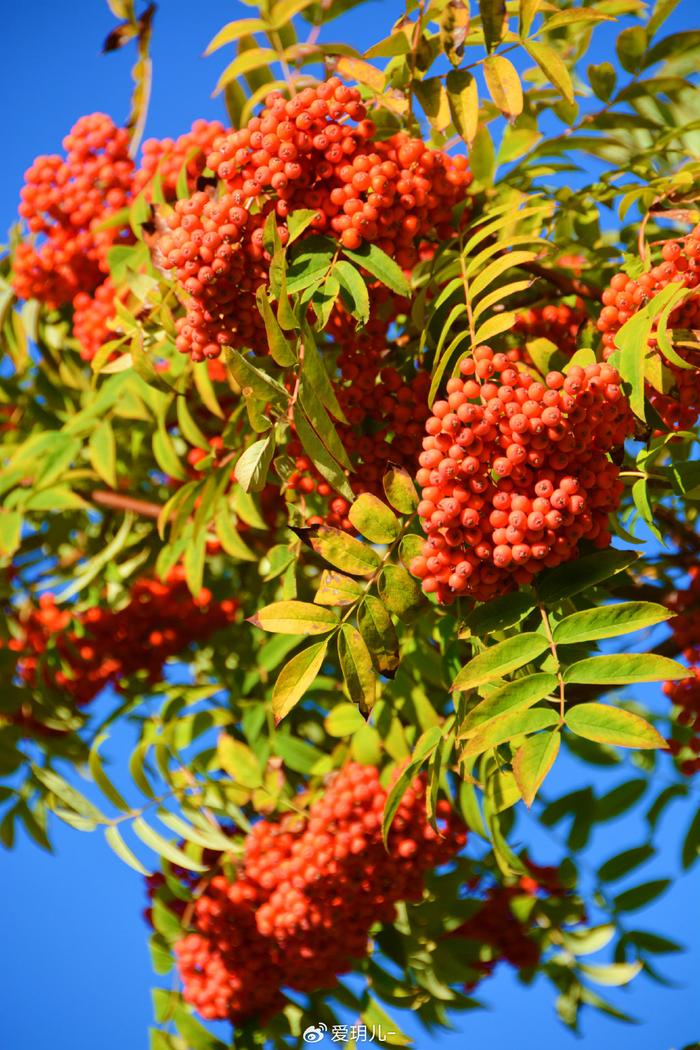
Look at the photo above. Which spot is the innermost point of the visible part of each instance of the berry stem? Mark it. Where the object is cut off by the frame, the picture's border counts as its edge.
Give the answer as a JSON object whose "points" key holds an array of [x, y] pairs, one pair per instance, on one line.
{"points": [[553, 647]]}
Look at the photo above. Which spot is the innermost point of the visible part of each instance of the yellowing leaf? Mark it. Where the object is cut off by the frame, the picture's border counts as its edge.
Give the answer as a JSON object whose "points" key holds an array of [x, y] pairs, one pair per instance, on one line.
{"points": [[553, 67], [504, 85], [363, 72], [295, 618], [296, 677]]}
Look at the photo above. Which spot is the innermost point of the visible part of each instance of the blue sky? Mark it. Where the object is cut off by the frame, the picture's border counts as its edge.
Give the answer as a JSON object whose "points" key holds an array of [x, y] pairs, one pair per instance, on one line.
{"points": [[77, 972]]}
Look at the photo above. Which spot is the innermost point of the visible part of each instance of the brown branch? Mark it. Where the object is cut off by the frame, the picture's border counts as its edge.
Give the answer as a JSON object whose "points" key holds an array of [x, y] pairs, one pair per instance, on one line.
{"points": [[566, 285], [118, 501]]}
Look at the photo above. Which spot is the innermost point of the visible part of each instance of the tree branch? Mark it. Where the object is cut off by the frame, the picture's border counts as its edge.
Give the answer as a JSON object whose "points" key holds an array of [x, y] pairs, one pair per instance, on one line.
{"points": [[118, 501], [567, 285]]}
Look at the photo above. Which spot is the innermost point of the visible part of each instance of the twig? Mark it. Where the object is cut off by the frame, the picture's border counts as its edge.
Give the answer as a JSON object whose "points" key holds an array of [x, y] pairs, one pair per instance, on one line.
{"points": [[567, 285]]}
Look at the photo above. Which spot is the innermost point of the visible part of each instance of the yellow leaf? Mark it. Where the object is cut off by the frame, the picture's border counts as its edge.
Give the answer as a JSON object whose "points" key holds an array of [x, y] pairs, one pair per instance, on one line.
{"points": [[504, 85]]}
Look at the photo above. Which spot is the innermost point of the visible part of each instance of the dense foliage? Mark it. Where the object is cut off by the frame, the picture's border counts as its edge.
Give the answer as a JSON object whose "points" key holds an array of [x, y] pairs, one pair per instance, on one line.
{"points": [[372, 413]]}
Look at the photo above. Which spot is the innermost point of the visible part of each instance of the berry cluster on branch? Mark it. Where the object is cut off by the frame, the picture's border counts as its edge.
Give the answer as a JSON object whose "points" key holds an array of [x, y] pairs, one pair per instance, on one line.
{"points": [[515, 473], [81, 655], [308, 892], [678, 407], [300, 153]]}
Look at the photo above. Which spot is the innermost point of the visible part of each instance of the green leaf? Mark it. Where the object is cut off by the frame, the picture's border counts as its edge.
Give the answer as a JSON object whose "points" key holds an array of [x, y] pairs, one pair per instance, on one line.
{"points": [[567, 580], [277, 343], [586, 942], [296, 677], [624, 862], [620, 799], [253, 465], [356, 666], [497, 614], [166, 456], [371, 258], [234, 31], [241, 764], [612, 725], [691, 842], [501, 730], [611, 974], [10, 531], [116, 842], [400, 592], [103, 452], [356, 296], [337, 589], [295, 618], [229, 537], [246, 62], [253, 381], [102, 780], [163, 847], [640, 896], [68, 795], [322, 459], [553, 67], [300, 756], [298, 221], [500, 659], [343, 551], [400, 490], [196, 1035], [378, 631], [493, 21], [625, 668], [373, 519], [533, 761], [517, 695], [344, 720], [423, 750], [188, 428], [632, 342], [608, 621], [631, 47], [463, 98], [482, 156], [651, 942], [603, 78]]}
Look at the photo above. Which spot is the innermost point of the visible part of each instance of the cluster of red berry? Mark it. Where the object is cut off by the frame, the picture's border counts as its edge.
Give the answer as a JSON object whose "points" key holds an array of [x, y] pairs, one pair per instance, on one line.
{"points": [[300, 153], [164, 160], [557, 322], [685, 695], [81, 655], [66, 202], [515, 473], [679, 407], [499, 933], [686, 623], [307, 895]]}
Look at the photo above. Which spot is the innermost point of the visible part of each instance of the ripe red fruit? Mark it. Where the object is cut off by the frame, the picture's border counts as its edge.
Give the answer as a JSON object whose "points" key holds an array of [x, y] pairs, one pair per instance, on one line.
{"points": [[501, 519], [308, 891], [679, 407]]}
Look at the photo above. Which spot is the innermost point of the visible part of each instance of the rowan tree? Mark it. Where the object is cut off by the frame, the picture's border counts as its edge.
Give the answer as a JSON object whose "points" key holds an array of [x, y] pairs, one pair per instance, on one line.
{"points": [[373, 405]]}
